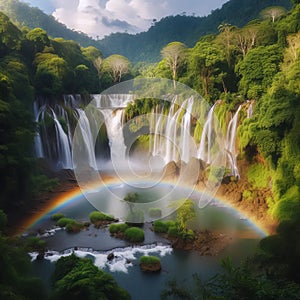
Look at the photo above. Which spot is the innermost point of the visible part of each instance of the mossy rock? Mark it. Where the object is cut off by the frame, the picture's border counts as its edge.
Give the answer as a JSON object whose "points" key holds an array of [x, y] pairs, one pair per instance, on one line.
{"points": [[134, 234], [57, 216], [150, 264], [117, 228], [98, 216]]}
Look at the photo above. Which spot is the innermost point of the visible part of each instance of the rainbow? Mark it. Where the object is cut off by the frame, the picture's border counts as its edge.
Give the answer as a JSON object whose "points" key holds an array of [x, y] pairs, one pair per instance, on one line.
{"points": [[74, 196]]}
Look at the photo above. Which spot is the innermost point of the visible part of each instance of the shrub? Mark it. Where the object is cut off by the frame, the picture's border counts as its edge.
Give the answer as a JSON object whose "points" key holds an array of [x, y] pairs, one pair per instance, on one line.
{"points": [[173, 231], [248, 195], [97, 216], [134, 234], [70, 224], [154, 212], [74, 226], [162, 226], [189, 235], [34, 243], [57, 216], [64, 221], [149, 260], [116, 228]]}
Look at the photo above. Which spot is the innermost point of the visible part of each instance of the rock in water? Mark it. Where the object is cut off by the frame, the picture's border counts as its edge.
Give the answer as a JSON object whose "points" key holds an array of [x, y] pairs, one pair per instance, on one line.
{"points": [[155, 267], [110, 256]]}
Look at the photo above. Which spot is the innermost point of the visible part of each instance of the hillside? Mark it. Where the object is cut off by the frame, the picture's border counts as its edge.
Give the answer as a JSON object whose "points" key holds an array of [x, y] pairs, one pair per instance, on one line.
{"points": [[145, 46]]}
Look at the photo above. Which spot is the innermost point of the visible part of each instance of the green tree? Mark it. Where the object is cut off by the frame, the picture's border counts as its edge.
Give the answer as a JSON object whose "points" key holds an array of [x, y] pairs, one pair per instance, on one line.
{"points": [[205, 63], [185, 212], [78, 278], [258, 70], [273, 12], [39, 39], [174, 54], [10, 35], [117, 66]]}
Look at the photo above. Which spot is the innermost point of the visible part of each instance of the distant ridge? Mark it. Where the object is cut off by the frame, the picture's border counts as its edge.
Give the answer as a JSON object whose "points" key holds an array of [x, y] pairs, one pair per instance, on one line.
{"points": [[145, 46]]}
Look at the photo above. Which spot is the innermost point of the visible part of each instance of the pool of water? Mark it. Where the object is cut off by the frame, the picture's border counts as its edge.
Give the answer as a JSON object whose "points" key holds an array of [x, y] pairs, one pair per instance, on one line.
{"points": [[178, 264]]}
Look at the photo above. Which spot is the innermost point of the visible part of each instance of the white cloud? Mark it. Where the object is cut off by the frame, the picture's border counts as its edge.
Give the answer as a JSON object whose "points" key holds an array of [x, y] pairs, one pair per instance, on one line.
{"points": [[101, 17]]}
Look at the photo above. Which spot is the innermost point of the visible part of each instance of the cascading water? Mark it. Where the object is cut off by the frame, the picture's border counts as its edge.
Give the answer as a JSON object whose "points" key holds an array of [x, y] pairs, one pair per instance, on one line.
{"points": [[63, 146], [54, 140], [172, 132], [87, 137], [230, 143], [171, 137], [113, 122], [38, 147], [204, 151], [185, 134], [250, 110]]}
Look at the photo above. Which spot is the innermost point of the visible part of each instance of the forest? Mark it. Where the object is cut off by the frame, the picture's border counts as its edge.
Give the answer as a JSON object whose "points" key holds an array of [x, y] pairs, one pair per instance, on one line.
{"points": [[257, 60]]}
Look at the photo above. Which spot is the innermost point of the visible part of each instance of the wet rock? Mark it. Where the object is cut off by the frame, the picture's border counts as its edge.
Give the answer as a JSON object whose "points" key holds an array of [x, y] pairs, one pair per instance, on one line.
{"points": [[110, 256], [171, 170], [41, 255]]}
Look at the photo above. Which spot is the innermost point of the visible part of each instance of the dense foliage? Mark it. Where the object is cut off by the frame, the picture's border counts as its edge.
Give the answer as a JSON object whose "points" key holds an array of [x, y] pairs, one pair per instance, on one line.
{"points": [[145, 46], [78, 278]]}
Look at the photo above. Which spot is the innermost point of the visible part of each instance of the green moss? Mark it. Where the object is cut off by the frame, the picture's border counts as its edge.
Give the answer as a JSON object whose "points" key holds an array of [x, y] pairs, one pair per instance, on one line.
{"points": [[116, 228], [57, 216], [70, 224], [134, 234], [63, 124], [288, 206], [173, 231], [247, 195], [149, 260], [97, 216], [258, 176], [74, 226], [188, 235], [62, 222], [162, 226]]}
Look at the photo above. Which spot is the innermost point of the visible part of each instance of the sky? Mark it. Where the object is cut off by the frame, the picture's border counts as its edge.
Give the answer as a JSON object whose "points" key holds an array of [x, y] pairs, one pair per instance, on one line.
{"points": [[98, 18]]}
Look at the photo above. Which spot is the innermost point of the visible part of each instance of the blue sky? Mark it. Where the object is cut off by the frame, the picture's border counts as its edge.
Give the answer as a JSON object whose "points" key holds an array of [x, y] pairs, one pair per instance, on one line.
{"points": [[102, 17]]}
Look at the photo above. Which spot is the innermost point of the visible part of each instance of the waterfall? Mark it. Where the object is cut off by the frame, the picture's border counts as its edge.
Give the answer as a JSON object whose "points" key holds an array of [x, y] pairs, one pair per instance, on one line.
{"points": [[38, 146], [204, 151], [230, 143], [54, 140], [112, 101], [63, 146], [113, 122], [157, 135], [172, 132], [250, 110], [168, 136], [87, 137], [112, 107], [185, 134]]}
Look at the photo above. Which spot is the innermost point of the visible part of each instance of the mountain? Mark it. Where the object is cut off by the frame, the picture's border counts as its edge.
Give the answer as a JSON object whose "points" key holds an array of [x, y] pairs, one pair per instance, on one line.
{"points": [[145, 46]]}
